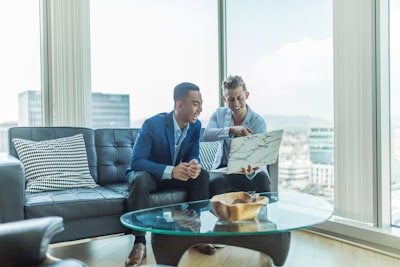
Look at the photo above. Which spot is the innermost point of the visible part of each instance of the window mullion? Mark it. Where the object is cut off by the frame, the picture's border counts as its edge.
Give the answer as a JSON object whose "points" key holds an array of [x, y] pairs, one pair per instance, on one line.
{"points": [[383, 154]]}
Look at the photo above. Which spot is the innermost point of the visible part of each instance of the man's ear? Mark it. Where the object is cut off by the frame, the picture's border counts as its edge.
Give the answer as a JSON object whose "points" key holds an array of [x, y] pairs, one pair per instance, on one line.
{"points": [[224, 99], [247, 94], [178, 104]]}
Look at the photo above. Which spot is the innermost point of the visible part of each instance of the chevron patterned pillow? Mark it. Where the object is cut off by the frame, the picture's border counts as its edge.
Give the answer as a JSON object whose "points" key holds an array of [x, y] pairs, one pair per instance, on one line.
{"points": [[207, 154], [54, 164]]}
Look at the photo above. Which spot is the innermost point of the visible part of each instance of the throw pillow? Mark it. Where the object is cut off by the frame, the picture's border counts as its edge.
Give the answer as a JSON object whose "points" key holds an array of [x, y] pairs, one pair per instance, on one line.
{"points": [[54, 164], [207, 154]]}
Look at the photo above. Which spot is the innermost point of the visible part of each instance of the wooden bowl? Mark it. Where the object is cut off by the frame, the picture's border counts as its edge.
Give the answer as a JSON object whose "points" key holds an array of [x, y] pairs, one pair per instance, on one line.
{"points": [[237, 206]]}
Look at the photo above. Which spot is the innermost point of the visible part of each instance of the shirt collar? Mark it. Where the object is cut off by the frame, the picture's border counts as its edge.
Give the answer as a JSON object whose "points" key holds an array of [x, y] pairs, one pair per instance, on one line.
{"points": [[176, 125]]}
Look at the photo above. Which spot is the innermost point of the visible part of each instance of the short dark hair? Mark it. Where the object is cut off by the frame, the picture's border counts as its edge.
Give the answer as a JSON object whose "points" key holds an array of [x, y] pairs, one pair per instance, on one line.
{"points": [[233, 81], [181, 91]]}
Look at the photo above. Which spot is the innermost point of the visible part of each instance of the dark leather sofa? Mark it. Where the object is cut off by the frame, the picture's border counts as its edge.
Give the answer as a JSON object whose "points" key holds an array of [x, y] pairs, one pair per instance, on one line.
{"points": [[87, 212]]}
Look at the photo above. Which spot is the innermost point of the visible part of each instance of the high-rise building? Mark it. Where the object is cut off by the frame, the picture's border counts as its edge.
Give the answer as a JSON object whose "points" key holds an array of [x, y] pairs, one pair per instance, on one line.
{"points": [[322, 159], [321, 145], [29, 107], [108, 110]]}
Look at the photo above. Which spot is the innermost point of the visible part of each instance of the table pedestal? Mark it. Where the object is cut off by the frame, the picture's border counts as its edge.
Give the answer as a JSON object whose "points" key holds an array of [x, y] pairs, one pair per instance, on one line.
{"points": [[168, 249]]}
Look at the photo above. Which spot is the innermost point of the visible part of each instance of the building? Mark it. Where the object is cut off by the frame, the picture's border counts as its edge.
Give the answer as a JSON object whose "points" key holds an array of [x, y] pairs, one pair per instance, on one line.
{"points": [[29, 107], [294, 162], [108, 110], [321, 141], [321, 145], [294, 175]]}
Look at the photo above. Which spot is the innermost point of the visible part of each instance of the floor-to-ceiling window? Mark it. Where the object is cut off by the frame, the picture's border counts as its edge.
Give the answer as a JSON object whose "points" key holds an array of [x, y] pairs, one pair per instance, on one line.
{"points": [[19, 66], [141, 49], [284, 51], [395, 108]]}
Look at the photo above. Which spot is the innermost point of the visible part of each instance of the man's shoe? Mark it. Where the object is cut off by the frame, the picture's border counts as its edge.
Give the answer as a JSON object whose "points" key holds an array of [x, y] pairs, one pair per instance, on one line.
{"points": [[208, 249], [136, 256]]}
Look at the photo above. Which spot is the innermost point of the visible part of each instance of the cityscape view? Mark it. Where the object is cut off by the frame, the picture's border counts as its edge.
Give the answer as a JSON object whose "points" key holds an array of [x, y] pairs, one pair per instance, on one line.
{"points": [[306, 158]]}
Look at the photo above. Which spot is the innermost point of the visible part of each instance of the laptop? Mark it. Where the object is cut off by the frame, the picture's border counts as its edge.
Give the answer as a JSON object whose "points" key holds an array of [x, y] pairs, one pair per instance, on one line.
{"points": [[256, 150]]}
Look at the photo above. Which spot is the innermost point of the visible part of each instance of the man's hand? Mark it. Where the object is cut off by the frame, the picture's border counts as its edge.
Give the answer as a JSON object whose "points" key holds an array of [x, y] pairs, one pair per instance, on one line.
{"points": [[194, 169], [185, 171], [181, 172], [239, 131], [249, 170]]}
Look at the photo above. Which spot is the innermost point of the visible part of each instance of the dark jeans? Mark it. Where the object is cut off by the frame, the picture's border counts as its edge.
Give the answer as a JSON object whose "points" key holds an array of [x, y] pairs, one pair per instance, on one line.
{"points": [[141, 184], [222, 183]]}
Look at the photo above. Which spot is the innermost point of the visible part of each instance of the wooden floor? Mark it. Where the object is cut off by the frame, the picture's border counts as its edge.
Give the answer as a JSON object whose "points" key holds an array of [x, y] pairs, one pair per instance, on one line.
{"points": [[307, 249]]}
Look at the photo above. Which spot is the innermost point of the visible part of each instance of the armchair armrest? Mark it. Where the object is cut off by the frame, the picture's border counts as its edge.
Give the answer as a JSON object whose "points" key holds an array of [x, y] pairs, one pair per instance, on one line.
{"points": [[12, 188], [25, 243]]}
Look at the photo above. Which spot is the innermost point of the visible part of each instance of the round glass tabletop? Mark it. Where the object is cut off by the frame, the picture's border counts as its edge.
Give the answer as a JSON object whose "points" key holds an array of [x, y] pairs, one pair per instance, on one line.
{"points": [[286, 211]]}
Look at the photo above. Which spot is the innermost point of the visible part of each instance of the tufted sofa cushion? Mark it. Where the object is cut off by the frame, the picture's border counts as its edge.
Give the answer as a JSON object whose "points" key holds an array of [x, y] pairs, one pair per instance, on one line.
{"points": [[114, 153]]}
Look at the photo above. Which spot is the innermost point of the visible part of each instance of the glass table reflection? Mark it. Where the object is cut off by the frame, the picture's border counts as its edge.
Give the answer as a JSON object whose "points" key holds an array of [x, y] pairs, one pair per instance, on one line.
{"points": [[175, 228]]}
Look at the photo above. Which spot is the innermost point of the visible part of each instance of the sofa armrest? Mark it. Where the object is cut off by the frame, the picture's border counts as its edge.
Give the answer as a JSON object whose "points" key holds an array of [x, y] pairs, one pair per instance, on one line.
{"points": [[12, 188], [25, 243], [273, 171]]}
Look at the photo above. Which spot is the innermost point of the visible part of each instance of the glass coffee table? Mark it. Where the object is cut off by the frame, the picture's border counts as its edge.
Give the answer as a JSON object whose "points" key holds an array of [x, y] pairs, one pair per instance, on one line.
{"points": [[175, 228]]}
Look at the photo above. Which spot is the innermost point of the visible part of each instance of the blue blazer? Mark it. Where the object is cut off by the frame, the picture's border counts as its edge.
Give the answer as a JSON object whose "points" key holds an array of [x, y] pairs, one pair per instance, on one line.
{"points": [[155, 145]]}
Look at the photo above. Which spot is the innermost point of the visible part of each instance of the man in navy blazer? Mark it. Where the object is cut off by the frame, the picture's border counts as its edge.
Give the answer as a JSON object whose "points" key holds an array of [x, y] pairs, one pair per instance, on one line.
{"points": [[166, 155]]}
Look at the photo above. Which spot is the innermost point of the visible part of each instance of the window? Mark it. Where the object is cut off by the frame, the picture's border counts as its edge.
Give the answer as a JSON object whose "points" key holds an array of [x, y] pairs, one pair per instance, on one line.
{"points": [[19, 65], [284, 52], [142, 49]]}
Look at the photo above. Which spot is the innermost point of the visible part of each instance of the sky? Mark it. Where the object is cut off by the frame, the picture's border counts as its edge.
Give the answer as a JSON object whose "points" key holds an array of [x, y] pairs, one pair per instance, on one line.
{"points": [[19, 53], [288, 72], [275, 65]]}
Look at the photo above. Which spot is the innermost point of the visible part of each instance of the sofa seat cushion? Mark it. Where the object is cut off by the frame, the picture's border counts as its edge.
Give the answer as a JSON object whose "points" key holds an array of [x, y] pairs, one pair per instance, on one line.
{"points": [[75, 203], [120, 188], [161, 198]]}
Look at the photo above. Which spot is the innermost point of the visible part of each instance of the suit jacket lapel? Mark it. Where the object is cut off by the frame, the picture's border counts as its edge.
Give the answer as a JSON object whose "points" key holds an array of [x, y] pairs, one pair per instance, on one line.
{"points": [[169, 130]]}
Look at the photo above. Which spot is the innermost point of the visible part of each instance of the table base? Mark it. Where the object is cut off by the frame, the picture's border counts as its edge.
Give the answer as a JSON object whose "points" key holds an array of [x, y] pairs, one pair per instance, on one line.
{"points": [[168, 249]]}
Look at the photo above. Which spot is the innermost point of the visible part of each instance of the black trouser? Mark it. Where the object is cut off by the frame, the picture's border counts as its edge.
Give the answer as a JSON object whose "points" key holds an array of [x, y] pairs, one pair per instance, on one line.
{"points": [[141, 184], [222, 183]]}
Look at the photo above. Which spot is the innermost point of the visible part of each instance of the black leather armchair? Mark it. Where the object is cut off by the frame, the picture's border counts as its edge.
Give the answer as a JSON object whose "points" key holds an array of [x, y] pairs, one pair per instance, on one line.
{"points": [[25, 243]]}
